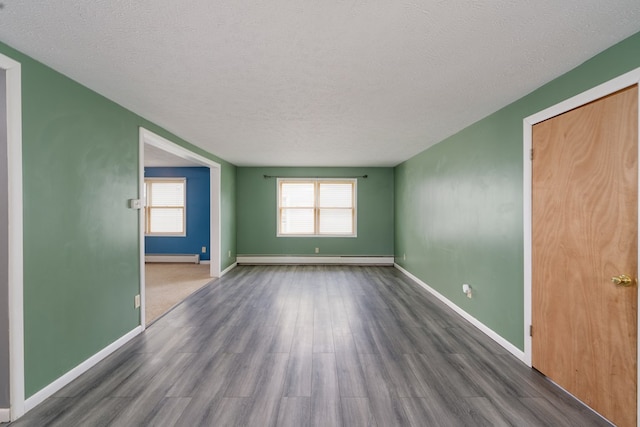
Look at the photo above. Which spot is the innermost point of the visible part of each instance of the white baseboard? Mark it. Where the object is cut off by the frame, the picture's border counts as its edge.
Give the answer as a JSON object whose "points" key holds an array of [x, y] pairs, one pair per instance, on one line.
{"points": [[5, 415], [317, 260], [189, 258], [205, 261], [228, 269], [469, 318], [74, 373]]}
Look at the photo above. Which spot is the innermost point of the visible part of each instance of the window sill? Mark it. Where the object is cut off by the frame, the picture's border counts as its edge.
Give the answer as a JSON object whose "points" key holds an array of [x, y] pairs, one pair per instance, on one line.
{"points": [[345, 236]]}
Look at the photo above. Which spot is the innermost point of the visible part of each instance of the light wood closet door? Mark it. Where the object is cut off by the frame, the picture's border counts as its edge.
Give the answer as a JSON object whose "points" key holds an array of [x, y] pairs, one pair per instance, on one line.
{"points": [[585, 216]]}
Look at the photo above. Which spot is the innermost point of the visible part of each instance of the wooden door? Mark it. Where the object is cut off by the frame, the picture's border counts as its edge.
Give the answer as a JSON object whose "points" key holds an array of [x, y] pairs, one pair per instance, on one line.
{"points": [[584, 224]]}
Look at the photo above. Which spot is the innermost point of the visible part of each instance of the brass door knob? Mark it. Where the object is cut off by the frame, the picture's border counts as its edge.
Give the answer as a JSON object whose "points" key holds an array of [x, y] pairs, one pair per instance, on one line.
{"points": [[623, 280]]}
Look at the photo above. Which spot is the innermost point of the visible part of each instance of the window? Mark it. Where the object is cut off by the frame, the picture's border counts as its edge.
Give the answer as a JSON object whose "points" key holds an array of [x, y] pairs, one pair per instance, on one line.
{"points": [[165, 210], [316, 207]]}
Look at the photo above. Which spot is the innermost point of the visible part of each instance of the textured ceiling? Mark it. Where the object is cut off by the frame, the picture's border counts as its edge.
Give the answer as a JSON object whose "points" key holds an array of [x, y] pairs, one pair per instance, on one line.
{"points": [[323, 83]]}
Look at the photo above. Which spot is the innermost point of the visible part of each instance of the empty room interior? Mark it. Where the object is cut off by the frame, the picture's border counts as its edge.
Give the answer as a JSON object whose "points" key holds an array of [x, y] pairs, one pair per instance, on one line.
{"points": [[403, 213]]}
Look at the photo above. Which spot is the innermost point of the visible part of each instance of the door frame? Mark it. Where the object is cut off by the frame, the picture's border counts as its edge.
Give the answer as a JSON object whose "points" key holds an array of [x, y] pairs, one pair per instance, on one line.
{"points": [[626, 80], [151, 138], [13, 72]]}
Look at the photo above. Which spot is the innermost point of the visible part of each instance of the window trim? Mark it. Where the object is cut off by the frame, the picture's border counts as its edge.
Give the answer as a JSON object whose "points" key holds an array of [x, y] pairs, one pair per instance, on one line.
{"points": [[147, 207], [316, 208]]}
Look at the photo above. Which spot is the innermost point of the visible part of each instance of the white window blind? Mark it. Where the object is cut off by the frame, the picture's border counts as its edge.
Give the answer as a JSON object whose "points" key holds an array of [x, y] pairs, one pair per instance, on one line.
{"points": [[316, 207], [165, 207], [297, 207]]}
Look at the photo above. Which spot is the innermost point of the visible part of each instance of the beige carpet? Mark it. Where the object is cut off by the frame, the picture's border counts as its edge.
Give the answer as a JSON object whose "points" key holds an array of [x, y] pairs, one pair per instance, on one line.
{"points": [[167, 284]]}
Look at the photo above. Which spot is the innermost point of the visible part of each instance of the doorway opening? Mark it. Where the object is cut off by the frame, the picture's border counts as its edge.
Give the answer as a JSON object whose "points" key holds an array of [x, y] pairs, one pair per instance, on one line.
{"points": [[158, 151]]}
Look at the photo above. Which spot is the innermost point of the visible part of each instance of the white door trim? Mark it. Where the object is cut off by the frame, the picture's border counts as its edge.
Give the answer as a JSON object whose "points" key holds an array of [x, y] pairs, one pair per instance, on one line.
{"points": [[16, 278], [628, 79], [148, 137]]}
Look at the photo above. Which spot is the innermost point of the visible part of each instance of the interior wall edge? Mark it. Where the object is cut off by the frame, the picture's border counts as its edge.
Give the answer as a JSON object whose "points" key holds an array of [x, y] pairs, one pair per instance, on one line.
{"points": [[228, 269], [13, 75]]}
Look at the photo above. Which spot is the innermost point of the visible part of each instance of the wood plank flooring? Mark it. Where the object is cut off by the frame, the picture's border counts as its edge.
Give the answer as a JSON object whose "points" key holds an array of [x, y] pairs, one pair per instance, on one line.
{"points": [[311, 346]]}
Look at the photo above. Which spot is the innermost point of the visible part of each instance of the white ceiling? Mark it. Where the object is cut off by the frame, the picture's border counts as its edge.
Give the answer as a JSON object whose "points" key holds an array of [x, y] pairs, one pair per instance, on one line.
{"points": [[315, 83]]}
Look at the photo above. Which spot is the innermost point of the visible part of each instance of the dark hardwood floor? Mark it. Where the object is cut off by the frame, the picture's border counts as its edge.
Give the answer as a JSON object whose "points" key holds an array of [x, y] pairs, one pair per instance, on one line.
{"points": [[302, 346]]}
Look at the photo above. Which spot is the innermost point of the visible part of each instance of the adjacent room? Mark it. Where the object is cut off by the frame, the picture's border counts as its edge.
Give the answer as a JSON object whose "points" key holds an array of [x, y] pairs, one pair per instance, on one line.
{"points": [[338, 214], [177, 233]]}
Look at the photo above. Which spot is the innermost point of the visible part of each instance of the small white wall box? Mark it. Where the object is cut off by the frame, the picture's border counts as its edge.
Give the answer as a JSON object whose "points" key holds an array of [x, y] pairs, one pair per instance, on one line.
{"points": [[135, 204], [467, 290]]}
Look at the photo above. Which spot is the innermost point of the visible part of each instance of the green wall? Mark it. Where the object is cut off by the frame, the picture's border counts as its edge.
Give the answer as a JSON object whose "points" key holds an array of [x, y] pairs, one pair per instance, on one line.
{"points": [[458, 212], [81, 248], [257, 212]]}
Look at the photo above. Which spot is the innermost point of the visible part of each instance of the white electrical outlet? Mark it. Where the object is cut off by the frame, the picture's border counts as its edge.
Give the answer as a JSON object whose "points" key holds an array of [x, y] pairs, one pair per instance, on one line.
{"points": [[136, 301], [229, 254], [404, 257], [204, 249], [466, 289], [317, 250]]}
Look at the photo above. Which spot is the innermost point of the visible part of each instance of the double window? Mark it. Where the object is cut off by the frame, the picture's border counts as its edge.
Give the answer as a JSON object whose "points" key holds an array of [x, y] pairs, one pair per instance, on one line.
{"points": [[165, 206], [317, 207]]}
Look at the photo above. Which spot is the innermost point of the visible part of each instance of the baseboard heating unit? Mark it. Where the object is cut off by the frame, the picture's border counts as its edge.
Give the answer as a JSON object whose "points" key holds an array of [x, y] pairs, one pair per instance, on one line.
{"points": [[188, 258], [315, 260]]}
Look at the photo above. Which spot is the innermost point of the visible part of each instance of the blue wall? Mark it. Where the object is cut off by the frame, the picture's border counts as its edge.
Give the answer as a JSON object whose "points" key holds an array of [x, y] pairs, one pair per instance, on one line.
{"points": [[198, 206]]}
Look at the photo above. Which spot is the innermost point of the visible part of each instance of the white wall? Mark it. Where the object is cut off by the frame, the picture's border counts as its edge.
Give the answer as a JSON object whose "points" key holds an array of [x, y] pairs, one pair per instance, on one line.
{"points": [[4, 249]]}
